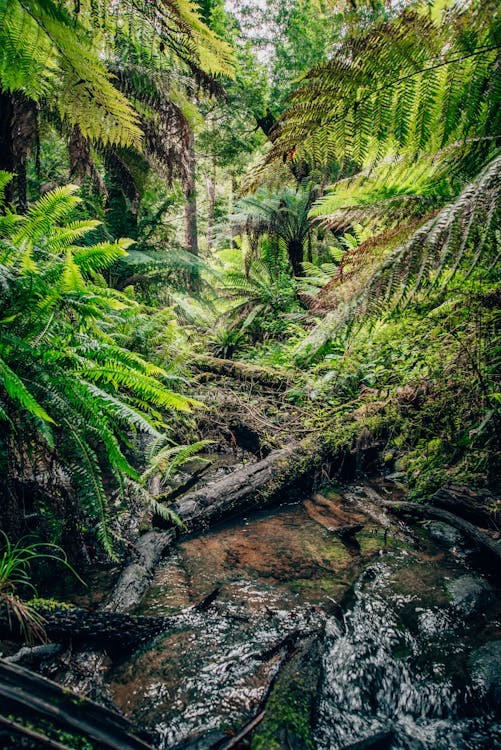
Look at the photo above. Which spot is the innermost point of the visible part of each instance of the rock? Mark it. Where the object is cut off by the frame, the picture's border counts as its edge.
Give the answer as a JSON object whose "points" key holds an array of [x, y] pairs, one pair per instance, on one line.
{"points": [[485, 669], [470, 594], [290, 709], [348, 531], [208, 741], [444, 533], [380, 741]]}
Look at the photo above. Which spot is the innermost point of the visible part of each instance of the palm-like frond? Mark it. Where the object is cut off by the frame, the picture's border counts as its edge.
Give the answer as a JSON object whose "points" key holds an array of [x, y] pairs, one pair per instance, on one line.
{"points": [[46, 53], [462, 237], [66, 386], [418, 82]]}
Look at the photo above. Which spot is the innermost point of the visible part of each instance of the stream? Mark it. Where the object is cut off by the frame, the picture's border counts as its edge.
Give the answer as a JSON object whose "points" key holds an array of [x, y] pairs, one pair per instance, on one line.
{"points": [[411, 660]]}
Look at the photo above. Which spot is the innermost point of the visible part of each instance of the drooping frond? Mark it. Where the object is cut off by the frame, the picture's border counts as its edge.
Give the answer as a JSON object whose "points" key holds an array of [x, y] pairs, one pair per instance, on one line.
{"points": [[45, 53], [399, 186], [418, 81], [69, 392], [462, 237]]}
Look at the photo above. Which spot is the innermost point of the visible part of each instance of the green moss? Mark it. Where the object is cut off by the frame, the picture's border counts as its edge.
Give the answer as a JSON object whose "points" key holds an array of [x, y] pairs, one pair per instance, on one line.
{"points": [[288, 715], [49, 605]]}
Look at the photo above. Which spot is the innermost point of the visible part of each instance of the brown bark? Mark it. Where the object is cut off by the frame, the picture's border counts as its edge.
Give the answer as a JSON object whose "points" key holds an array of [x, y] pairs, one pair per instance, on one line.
{"points": [[32, 697], [18, 133]]}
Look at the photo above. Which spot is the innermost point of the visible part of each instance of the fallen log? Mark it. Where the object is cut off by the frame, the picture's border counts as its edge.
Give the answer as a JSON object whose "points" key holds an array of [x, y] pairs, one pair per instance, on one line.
{"points": [[477, 506], [33, 655], [86, 676], [242, 371], [171, 495], [134, 579], [14, 729], [30, 696], [487, 545], [286, 473], [114, 629]]}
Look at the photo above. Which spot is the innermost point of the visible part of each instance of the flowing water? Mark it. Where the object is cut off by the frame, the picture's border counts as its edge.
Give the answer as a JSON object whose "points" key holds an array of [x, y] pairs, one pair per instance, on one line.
{"points": [[397, 667]]}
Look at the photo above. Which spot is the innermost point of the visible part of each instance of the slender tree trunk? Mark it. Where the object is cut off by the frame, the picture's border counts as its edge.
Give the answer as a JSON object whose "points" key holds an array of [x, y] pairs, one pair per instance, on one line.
{"points": [[211, 196], [310, 248], [233, 193], [190, 209], [190, 195]]}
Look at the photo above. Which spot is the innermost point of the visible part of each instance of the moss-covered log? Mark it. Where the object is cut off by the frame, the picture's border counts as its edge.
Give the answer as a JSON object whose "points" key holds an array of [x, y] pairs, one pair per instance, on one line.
{"points": [[483, 542], [242, 371], [477, 506], [287, 473]]}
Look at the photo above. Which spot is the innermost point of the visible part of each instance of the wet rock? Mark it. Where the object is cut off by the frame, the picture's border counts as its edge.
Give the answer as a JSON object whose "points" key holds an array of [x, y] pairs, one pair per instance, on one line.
{"points": [[205, 742], [444, 533], [470, 594], [485, 668], [290, 709], [379, 741]]}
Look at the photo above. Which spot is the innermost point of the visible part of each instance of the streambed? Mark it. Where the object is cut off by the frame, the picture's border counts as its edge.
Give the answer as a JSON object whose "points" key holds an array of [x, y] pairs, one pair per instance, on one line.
{"points": [[397, 664]]}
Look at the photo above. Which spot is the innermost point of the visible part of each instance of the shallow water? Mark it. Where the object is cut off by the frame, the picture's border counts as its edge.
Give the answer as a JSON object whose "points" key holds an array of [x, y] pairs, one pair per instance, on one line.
{"points": [[398, 663]]}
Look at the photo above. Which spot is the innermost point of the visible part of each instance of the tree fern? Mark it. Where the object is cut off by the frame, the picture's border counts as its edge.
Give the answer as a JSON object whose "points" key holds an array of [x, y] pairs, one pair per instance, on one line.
{"points": [[46, 53], [462, 237], [418, 81]]}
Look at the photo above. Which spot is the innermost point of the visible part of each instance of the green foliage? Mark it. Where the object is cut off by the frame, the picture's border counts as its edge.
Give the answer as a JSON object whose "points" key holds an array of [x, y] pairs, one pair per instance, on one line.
{"points": [[282, 216], [424, 383], [423, 79], [45, 52], [15, 567], [71, 396], [260, 299]]}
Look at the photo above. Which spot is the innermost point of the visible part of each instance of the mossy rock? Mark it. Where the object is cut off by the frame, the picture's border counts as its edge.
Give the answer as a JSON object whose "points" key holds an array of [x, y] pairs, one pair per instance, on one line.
{"points": [[288, 723]]}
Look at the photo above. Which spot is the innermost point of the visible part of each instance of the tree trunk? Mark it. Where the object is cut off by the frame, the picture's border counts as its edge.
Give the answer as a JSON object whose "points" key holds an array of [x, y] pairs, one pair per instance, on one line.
{"points": [[111, 629], [38, 699], [135, 578], [487, 545], [477, 506], [190, 208], [295, 253], [211, 201], [242, 371], [18, 132], [289, 472]]}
